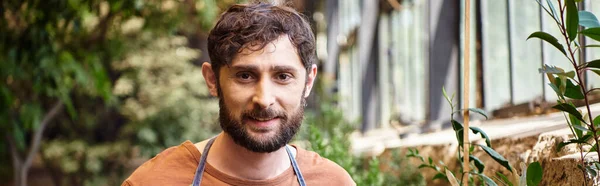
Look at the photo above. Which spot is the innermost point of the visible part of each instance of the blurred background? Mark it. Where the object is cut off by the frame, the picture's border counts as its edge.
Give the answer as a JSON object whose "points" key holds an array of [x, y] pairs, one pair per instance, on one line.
{"points": [[91, 89]]}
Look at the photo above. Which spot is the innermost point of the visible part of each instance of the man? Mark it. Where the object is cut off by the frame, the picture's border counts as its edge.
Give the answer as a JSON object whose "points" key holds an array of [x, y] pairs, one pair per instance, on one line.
{"points": [[262, 69]]}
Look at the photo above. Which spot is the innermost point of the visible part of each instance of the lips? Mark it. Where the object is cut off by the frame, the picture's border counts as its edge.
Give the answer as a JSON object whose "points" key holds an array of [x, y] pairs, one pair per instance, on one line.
{"points": [[262, 122]]}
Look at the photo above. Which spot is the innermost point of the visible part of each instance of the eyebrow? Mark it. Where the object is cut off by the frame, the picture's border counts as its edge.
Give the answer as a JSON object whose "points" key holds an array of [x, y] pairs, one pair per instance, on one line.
{"points": [[278, 68]]}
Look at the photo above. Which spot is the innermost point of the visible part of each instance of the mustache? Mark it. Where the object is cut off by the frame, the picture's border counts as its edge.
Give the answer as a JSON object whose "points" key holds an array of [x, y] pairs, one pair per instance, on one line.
{"points": [[264, 113]]}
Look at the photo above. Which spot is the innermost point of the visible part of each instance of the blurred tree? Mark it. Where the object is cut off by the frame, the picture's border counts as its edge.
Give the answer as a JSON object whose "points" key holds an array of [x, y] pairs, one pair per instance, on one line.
{"points": [[59, 56]]}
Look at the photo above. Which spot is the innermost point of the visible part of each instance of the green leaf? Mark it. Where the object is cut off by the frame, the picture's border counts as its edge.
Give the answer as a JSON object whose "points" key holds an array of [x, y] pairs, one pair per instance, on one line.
{"points": [[572, 19], [591, 46], [569, 109], [458, 128], [534, 174], [588, 19], [549, 69], [478, 163], [439, 176], [554, 14], [483, 135], [596, 120], [479, 111], [504, 178], [487, 180], [573, 91], [591, 171], [446, 96], [580, 127], [556, 90], [593, 149], [576, 122], [497, 157], [423, 166], [593, 33], [565, 143], [548, 38], [592, 64], [451, 178]]}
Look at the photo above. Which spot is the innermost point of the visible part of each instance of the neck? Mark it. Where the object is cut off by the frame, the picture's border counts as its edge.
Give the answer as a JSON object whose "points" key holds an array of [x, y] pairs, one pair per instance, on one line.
{"points": [[235, 160]]}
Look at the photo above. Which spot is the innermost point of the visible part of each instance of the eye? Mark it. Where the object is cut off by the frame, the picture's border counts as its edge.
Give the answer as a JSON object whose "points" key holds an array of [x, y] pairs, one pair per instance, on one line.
{"points": [[244, 76], [284, 77]]}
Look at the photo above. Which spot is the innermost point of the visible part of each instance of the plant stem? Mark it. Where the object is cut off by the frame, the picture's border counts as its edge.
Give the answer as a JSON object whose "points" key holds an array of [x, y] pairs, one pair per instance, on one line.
{"points": [[581, 84]]}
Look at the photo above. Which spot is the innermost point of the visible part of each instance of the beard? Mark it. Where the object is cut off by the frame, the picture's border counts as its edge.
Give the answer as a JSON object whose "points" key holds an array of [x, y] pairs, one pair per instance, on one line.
{"points": [[240, 133]]}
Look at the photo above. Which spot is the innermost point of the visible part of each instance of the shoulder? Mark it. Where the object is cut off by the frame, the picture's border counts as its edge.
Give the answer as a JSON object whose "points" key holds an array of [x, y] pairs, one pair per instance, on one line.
{"points": [[321, 171], [170, 167]]}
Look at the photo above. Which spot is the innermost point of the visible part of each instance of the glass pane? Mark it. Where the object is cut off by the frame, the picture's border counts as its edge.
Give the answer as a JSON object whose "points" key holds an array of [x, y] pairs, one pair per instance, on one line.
{"points": [[593, 53], [527, 59], [495, 54]]}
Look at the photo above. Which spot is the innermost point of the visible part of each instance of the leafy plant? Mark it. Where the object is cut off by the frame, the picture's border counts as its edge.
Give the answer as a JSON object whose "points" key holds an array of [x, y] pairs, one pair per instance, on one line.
{"points": [[328, 134], [534, 171], [570, 85]]}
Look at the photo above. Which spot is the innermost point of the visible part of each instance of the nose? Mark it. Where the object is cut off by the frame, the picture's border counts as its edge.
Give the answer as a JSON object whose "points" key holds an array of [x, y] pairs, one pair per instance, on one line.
{"points": [[264, 95]]}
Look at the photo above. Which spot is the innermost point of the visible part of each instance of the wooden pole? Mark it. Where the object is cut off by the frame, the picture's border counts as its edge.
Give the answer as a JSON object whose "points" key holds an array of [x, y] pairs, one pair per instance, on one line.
{"points": [[467, 77]]}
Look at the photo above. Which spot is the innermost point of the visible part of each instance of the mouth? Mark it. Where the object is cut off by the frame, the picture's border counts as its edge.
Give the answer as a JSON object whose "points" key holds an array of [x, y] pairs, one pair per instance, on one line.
{"points": [[262, 122]]}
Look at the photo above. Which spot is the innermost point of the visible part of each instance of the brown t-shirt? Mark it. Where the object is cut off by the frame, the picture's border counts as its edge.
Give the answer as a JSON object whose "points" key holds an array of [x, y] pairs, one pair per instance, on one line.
{"points": [[177, 166]]}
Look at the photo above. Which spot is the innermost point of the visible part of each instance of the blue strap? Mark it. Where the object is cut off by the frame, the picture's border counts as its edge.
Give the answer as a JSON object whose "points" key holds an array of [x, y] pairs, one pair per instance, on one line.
{"points": [[295, 166], [202, 164]]}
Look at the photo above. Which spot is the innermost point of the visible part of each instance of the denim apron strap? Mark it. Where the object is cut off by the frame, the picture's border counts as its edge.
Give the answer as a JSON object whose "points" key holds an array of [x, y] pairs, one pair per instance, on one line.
{"points": [[295, 166], [202, 165]]}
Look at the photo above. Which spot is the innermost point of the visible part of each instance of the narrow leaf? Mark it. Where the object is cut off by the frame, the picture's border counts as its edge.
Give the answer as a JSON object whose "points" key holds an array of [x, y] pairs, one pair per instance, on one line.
{"points": [[478, 163], [504, 178], [534, 174], [446, 96], [596, 121], [479, 111], [576, 122], [588, 19], [572, 19], [593, 33], [483, 135], [554, 14], [565, 143], [591, 46], [488, 181], [548, 38], [439, 176], [593, 64], [451, 178], [497, 157], [569, 109], [580, 127]]}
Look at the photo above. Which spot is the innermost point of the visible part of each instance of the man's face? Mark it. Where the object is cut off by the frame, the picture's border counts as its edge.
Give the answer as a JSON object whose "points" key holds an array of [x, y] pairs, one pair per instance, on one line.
{"points": [[262, 96]]}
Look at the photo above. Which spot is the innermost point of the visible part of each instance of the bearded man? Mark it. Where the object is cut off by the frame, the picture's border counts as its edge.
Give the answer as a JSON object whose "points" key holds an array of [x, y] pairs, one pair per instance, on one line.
{"points": [[262, 69]]}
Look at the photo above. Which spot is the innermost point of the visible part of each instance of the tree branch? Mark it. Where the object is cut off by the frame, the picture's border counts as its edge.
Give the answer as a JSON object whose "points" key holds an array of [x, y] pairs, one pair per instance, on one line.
{"points": [[14, 154], [37, 136]]}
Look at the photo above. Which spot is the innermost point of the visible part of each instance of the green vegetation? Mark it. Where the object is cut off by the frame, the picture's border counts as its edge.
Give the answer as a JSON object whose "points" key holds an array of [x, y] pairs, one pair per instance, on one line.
{"points": [[570, 86], [531, 174], [91, 85], [328, 133]]}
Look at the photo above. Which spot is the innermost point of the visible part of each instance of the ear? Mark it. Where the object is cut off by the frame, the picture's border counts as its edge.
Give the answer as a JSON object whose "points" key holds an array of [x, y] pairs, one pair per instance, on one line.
{"points": [[210, 78], [312, 76]]}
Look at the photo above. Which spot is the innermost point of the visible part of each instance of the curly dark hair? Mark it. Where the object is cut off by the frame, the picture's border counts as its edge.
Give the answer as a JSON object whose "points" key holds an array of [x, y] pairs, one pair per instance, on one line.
{"points": [[253, 26]]}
